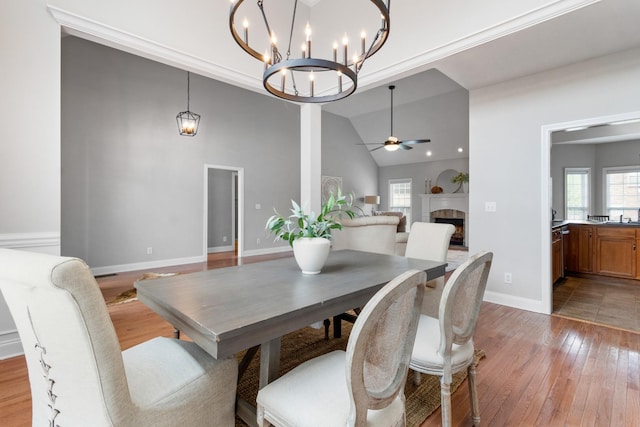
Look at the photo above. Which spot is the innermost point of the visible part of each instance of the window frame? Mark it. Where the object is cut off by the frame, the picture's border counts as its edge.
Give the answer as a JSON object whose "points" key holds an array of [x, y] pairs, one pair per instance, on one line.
{"points": [[605, 190], [407, 210], [575, 170]]}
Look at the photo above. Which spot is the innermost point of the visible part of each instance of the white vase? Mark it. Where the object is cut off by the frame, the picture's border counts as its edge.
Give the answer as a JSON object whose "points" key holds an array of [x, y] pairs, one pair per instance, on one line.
{"points": [[311, 253]]}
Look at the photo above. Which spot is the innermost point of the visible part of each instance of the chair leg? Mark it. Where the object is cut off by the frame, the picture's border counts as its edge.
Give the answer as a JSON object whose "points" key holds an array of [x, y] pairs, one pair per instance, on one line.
{"points": [[473, 394], [326, 323], [260, 417], [445, 402]]}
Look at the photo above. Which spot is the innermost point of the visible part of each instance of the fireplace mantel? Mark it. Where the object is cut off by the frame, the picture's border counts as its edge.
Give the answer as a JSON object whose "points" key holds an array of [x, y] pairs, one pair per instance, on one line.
{"points": [[455, 201]]}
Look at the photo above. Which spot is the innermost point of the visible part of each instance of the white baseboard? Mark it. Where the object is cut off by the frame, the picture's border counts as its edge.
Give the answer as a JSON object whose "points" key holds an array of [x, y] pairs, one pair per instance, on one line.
{"points": [[10, 345], [99, 271], [515, 302], [217, 249]]}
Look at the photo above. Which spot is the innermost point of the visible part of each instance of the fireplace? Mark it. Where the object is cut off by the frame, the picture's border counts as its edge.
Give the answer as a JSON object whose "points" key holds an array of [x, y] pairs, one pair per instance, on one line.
{"points": [[457, 238], [454, 208]]}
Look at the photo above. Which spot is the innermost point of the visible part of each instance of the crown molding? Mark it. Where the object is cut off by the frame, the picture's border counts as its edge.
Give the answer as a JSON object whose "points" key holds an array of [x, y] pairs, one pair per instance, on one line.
{"points": [[104, 34], [98, 32], [425, 60]]}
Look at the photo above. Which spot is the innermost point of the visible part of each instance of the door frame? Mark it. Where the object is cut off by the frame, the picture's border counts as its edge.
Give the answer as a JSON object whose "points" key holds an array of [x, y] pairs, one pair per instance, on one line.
{"points": [[545, 202], [240, 214]]}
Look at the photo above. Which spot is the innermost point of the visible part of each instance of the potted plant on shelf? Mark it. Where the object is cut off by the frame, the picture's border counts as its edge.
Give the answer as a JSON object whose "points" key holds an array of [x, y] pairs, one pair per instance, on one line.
{"points": [[309, 234], [462, 178]]}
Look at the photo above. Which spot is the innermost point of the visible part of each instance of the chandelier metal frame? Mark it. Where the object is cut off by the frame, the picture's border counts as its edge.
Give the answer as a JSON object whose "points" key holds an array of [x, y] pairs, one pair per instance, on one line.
{"points": [[277, 63]]}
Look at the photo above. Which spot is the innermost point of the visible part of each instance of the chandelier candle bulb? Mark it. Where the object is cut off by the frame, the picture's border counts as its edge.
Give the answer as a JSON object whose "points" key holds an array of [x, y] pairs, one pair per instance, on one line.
{"points": [[345, 42], [307, 32], [284, 75], [339, 82], [304, 50], [335, 51], [311, 83], [245, 24], [363, 35]]}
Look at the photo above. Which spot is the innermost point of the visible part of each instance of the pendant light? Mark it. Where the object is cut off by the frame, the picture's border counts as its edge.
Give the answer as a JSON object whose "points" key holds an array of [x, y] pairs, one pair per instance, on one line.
{"points": [[188, 121]]}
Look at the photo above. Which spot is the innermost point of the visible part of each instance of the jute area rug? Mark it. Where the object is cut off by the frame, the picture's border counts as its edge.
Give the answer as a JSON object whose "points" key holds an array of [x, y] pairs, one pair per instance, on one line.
{"points": [[307, 343]]}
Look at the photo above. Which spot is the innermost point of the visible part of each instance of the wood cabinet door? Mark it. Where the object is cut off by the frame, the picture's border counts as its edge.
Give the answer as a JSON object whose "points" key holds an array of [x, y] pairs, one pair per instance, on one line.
{"points": [[616, 255], [556, 260], [585, 249]]}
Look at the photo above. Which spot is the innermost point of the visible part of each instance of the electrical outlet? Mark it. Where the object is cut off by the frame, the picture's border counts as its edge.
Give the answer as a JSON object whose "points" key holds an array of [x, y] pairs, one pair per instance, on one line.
{"points": [[258, 207], [258, 240], [149, 250], [508, 278], [489, 206], [224, 238]]}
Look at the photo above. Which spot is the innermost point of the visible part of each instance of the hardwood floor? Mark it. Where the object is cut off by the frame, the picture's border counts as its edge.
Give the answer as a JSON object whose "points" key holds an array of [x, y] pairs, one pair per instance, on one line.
{"points": [[539, 370]]}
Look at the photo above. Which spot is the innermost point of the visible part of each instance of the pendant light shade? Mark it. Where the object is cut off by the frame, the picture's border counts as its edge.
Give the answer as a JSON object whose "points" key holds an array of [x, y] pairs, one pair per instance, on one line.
{"points": [[188, 121]]}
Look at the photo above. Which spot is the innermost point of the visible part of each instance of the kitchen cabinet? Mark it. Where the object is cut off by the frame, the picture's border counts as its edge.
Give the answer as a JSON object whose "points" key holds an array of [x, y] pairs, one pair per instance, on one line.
{"points": [[615, 251], [557, 270], [580, 258]]}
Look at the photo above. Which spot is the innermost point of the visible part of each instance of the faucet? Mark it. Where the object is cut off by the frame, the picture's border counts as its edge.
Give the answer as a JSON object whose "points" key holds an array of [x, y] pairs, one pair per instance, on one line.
{"points": [[638, 215], [620, 218]]}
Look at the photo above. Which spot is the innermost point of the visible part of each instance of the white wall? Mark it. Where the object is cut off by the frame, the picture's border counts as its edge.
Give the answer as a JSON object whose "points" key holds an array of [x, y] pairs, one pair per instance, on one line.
{"points": [[507, 163], [29, 138]]}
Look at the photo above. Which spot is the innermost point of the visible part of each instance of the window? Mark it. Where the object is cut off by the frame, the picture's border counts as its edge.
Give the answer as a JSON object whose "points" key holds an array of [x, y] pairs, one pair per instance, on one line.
{"points": [[576, 192], [622, 192], [400, 197]]}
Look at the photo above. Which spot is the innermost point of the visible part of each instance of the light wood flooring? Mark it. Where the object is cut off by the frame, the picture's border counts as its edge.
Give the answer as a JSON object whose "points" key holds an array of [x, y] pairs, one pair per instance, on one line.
{"points": [[539, 371]]}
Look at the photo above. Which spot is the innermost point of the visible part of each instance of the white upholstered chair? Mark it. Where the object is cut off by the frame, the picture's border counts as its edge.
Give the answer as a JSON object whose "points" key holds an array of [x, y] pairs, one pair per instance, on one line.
{"points": [[77, 373], [429, 240], [365, 385], [444, 346]]}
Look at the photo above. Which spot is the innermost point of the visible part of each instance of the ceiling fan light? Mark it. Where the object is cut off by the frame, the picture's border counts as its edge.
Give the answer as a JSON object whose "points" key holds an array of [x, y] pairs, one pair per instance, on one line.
{"points": [[391, 147]]}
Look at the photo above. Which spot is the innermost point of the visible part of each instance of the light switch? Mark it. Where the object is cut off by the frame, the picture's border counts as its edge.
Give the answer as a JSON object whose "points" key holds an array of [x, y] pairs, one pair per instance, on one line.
{"points": [[258, 207]]}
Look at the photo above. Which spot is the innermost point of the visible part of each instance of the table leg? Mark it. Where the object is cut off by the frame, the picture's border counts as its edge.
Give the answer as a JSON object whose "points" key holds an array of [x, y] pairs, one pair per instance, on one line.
{"points": [[269, 361]]}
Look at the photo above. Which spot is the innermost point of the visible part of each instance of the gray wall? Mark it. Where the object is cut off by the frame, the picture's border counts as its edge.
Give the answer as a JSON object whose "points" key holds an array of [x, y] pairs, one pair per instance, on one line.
{"points": [[129, 181], [594, 156], [343, 157], [418, 173], [220, 209]]}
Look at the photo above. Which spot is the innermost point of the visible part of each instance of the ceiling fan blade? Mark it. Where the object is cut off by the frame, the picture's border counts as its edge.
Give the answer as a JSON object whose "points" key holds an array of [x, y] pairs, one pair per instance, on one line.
{"points": [[367, 143], [377, 148], [405, 147], [415, 141]]}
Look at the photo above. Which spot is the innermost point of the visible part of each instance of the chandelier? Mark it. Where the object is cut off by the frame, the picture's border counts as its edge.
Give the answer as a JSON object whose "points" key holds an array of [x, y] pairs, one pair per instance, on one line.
{"points": [[296, 76]]}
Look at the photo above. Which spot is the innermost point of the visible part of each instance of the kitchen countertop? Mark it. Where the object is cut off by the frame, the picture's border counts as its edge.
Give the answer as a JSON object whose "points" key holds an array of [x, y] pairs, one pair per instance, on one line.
{"points": [[560, 223]]}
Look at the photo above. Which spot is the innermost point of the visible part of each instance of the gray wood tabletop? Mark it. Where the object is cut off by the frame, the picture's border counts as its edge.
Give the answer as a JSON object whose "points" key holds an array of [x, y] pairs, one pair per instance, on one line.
{"points": [[231, 309]]}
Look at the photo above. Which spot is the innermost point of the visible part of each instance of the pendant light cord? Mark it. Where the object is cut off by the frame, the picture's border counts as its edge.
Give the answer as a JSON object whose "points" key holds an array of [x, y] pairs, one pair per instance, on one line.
{"points": [[188, 88]]}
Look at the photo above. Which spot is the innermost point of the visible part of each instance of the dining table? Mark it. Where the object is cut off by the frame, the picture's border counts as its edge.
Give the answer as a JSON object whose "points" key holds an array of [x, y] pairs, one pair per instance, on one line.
{"points": [[250, 306]]}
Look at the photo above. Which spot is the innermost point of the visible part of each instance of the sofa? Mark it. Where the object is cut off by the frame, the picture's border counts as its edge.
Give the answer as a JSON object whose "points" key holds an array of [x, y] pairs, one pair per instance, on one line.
{"points": [[377, 234]]}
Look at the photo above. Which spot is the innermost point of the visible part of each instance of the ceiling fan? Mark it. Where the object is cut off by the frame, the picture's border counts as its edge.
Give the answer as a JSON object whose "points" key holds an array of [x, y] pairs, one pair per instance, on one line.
{"points": [[392, 143]]}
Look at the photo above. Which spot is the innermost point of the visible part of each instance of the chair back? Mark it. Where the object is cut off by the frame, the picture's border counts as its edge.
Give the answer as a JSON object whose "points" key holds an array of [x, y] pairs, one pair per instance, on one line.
{"points": [[461, 300], [429, 240], [73, 355], [380, 345]]}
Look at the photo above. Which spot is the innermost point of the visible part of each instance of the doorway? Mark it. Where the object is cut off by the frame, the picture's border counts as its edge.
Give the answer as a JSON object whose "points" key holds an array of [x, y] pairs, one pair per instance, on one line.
{"points": [[223, 209], [549, 194]]}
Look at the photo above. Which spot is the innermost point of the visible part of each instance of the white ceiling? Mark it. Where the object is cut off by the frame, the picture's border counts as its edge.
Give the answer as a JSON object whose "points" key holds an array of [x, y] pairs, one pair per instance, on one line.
{"points": [[602, 28]]}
